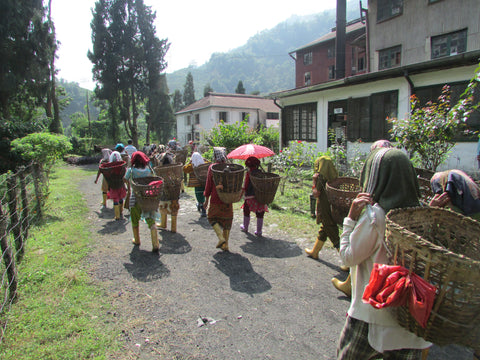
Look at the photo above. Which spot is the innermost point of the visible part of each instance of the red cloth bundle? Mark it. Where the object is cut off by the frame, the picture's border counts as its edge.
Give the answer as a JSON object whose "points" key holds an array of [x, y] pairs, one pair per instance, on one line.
{"points": [[156, 186], [392, 285]]}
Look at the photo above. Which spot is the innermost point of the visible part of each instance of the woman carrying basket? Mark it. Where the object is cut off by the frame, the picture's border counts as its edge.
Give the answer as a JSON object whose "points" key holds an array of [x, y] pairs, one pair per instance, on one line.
{"points": [[388, 181], [139, 169], [106, 155], [250, 203], [117, 195], [195, 161], [219, 215]]}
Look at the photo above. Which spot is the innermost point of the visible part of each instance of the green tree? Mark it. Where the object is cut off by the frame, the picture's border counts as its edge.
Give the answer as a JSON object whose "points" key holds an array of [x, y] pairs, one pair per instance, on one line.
{"points": [[128, 59], [162, 118], [430, 130], [177, 101], [207, 89], [240, 89], [188, 90]]}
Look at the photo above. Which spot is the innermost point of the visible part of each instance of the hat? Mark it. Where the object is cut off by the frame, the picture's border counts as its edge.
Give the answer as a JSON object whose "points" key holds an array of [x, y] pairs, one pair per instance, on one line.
{"points": [[119, 147]]}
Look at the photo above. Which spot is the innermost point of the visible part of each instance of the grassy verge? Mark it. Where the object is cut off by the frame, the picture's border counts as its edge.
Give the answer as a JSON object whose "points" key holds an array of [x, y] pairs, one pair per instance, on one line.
{"points": [[59, 312]]}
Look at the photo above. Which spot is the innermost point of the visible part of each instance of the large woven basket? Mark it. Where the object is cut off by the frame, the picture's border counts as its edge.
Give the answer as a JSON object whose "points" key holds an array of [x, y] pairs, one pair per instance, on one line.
{"points": [[201, 172], [265, 185], [172, 175], [442, 247], [340, 194], [113, 172], [230, 176], [147, 196]]}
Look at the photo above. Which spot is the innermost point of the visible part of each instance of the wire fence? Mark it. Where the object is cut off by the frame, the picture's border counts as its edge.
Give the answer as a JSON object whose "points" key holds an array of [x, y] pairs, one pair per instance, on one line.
{"points": [[22, 201]]}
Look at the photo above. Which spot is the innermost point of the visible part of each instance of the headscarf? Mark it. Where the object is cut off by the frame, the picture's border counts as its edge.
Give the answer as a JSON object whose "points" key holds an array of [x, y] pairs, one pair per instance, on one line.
{"points": [[197, 159], [161, 148], [106, 154], [325, 167], [115, 156], [461, 189], [380, 144], [252, 162], [139, 159], [172, 144], [119, 147], [389, 176], [219, 154]]}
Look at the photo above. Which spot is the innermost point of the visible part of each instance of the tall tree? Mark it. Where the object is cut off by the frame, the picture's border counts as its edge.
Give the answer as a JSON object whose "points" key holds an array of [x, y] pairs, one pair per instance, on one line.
{"points": [[240, 89], [128, 59], [25, 47], [189, 90], [207, 89], [177, 101]]}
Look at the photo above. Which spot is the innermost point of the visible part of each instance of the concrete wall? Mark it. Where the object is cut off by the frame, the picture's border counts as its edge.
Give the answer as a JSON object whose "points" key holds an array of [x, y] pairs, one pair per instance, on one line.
{"points": [[425, 19]]}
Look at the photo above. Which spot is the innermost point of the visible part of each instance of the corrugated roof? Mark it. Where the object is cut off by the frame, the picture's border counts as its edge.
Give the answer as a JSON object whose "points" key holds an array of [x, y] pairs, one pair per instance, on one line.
{"points": [[232, 101], [330, 36]]}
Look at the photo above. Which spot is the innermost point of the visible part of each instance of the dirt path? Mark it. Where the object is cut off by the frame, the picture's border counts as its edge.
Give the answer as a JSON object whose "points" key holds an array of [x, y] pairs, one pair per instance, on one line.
{"points": [[262, 300]]}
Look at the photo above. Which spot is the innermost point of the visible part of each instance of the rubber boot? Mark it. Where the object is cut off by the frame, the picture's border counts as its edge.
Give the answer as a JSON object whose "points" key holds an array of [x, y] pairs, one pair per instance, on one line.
{"points": [[104, 199], [136, 235], [246, 222], [343, 286], [163, 221], [258, 232], [120, 211], [219, 232], [226, 235], [313, 206], [116, 209], [343, 267], [154, 235], [173, 223], [313, 252]]}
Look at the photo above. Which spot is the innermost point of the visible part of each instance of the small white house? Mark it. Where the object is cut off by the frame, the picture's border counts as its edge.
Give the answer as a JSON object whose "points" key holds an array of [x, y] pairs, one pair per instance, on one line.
{"points": [[203, 115]]}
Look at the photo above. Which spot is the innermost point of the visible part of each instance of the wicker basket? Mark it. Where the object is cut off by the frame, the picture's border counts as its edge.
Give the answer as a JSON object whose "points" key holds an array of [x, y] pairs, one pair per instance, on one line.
{"points": [[172, 175], [180, 156], [340, 194], [424, 173], [231, 177], [201, 172], [265, 185], [442, 247], [147, 196], [113, 172]]}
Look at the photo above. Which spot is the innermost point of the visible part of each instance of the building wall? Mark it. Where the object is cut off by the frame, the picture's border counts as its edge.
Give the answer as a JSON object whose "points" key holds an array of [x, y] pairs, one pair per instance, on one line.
{"points": [[418, 23], [462, 156]]}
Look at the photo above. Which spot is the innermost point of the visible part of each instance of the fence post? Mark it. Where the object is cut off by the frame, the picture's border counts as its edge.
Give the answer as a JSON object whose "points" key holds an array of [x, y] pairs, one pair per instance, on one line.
{"points": [[38, 189], [12, 207], [7, 256], [25, 222]]}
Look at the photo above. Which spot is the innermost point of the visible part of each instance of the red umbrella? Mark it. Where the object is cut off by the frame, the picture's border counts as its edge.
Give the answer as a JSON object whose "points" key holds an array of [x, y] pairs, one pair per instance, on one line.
{"points": [[245, 151]]}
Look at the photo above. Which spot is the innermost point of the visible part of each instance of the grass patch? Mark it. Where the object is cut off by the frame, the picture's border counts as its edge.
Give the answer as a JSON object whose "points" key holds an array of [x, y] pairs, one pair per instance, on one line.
{"points": [[59, 313]]}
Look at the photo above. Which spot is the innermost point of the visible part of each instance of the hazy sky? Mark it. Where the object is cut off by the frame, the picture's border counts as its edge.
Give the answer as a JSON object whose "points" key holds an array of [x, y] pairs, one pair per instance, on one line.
{"points": [[195, 29]]}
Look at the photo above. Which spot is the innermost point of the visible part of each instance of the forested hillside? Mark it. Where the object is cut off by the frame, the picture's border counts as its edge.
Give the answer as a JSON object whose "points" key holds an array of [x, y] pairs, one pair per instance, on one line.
{"points": [[263, 63]]}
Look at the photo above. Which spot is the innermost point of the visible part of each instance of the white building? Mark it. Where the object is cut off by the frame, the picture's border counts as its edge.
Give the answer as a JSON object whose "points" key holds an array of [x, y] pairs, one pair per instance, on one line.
{"points": [[203, 115]]}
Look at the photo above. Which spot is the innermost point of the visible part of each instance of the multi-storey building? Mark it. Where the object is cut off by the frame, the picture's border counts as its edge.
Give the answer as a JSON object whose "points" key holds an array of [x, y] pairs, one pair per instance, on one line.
{"points": [[396, 49]]}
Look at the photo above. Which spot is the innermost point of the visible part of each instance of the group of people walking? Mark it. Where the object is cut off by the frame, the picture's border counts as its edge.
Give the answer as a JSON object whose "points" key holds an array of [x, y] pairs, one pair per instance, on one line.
{"points": [[388, 181]]}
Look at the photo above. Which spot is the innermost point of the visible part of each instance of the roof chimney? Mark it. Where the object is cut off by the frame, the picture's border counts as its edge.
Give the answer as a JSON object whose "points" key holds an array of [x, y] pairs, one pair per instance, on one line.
{"points": [[340, 39]]}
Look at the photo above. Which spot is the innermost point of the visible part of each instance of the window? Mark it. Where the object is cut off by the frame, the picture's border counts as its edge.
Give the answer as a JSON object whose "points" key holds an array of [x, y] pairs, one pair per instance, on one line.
{"points": [[331, 72], [308, 58], [245, 116], [387, 9], [189, 136], [197, 119], [367, 116], [189, 120], [389, 58], [308, 78], [431, 93], [300, 123], [449, 44], [273, 115], [197, 136], [222, 115], [331, 51]]}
